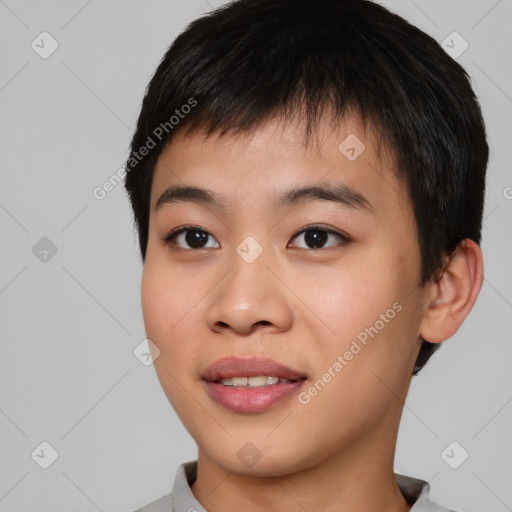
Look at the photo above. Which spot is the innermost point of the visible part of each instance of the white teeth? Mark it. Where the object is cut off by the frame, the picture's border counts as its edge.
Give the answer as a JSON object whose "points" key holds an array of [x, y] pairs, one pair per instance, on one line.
{"points": [[253, 382], [257, 382], [239, 381]]}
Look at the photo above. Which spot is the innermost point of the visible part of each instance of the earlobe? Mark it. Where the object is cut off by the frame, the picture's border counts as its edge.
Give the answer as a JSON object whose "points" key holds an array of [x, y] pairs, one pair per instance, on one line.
{"points": [[452, 297]]}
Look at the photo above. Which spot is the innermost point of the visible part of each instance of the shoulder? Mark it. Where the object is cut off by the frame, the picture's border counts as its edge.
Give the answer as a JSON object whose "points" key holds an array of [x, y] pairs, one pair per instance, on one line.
{"points": [[417, 492], [430, 506], [163, 504], [181, 496]]}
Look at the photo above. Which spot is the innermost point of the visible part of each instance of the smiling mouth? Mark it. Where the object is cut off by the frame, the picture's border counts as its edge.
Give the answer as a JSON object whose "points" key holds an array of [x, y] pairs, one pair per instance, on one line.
{"points": [[258, 381], [251, 385], [252, 372]]}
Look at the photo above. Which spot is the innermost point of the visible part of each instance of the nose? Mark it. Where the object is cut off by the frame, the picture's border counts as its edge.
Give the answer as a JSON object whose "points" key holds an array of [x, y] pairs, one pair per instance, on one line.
{"points": [[251, 297]]}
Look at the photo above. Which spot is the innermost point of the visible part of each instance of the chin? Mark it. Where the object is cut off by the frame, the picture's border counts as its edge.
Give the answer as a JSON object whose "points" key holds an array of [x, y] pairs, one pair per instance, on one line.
{"points": [[259, 460]]}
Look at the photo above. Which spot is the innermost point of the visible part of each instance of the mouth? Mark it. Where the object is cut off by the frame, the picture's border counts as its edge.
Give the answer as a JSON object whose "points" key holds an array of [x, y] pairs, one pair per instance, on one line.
{"points": [[258, 381], [251, 385], [252, 372]]}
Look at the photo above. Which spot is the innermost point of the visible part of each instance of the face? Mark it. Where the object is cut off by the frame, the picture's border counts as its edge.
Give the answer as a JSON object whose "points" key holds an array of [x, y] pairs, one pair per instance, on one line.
{"points": [[320, 290]]}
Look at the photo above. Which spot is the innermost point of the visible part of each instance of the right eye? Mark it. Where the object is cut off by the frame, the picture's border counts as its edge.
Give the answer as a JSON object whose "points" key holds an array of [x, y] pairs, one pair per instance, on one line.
{"points": [[194, 236]]}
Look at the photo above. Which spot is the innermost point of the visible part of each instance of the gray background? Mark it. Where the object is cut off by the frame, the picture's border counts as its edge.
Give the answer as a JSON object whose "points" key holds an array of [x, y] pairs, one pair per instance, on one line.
{"points": [[70, 323]]}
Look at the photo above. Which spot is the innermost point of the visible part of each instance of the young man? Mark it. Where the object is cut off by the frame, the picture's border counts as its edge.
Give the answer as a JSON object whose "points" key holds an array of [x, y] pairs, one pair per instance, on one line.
{"points": [[307, 179]]}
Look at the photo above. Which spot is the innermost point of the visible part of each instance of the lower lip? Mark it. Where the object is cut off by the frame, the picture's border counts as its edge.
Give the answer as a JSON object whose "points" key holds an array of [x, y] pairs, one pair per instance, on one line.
{"points": [[252, 399]]}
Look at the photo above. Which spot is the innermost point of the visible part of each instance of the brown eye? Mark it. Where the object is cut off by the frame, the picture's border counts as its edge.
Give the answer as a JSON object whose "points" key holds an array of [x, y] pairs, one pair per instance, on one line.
{"points": [[189, 237], [316, 237]]}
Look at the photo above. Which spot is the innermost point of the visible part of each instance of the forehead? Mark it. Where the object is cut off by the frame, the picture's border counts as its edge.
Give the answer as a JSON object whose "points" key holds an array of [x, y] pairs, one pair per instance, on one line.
{"points": [[258, 167]]}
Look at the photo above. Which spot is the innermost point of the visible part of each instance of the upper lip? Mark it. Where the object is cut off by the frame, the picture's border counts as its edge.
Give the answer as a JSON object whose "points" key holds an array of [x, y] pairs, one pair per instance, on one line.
{"points": [[249, 367]]}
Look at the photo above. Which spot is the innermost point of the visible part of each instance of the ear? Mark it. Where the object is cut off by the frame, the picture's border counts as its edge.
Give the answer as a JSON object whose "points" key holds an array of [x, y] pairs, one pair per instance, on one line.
{"points": [[451, 298]]}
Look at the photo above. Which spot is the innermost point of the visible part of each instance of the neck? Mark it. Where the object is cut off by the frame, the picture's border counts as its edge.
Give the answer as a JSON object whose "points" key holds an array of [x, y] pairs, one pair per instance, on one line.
{"points": [[358, 478]]}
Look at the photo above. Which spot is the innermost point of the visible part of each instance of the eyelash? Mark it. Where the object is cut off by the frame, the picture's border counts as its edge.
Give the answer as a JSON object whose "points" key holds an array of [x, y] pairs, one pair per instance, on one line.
{"points": [[314, 227]]}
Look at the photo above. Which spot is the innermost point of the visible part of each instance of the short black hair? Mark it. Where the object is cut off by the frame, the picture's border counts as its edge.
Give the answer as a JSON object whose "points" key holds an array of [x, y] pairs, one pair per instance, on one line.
{"points": [[253, 60]]}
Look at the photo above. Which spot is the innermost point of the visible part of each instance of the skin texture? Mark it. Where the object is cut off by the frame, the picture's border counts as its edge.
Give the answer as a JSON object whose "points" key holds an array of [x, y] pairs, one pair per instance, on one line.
{"points": [[299, 305]]}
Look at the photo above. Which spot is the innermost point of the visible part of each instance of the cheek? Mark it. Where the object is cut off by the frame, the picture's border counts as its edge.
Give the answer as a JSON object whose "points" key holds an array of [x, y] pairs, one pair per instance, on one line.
{"points": [[169, 324], [155, 303], [370, 315], [167, 303], [346, 299]]}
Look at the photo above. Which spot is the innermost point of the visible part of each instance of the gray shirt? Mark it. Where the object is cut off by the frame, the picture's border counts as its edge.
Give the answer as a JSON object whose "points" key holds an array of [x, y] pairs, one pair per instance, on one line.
{"points": [[182, 500]]}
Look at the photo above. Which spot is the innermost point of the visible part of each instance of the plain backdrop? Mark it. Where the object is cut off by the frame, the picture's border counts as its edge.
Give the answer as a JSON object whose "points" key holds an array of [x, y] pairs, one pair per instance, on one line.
{"points": [[70, 268]]}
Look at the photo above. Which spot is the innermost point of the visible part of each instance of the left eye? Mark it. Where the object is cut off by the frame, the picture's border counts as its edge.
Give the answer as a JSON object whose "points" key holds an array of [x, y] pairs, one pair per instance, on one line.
{"points": [[315, 237]]}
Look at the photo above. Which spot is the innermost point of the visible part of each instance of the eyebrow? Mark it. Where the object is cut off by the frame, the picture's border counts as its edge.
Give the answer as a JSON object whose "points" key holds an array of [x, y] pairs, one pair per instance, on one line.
{"points": [[338, 193]]}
